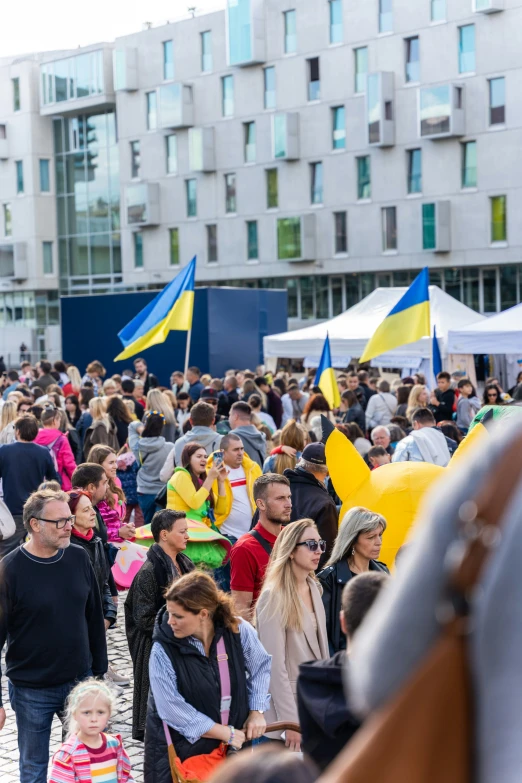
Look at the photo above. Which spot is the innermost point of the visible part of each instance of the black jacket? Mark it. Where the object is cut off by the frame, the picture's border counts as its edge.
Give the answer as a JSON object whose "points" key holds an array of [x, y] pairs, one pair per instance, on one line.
{"points": [[326, 722], [225, 402], [96, 553], [333, 580], [310, 499], [356, 414], [151, 382], [444, 410], [275, 407]]}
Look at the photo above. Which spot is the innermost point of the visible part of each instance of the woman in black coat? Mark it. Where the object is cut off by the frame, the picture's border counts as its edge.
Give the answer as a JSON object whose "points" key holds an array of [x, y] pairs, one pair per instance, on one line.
{"points": [[352, 410], [356, 550]]}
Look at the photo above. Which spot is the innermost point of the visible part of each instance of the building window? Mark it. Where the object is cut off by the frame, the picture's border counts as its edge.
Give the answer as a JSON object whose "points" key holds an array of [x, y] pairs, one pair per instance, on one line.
{"points": [[135, 159], [19, 176], [289, 238], [272, 198], [230, 194], [415, 171], [290, 32], [389, 228], [412, 60], [429, 233], [45, 175], [316, 183], [497, 101], [438, 10], [338, 128], [385, 16], [47, 253], [168, 60], [498, 219], [8, 223], [152, 110], [336, 21], [192, 200], [341, 235], [469, 164], [252, 242], [171, 145], [138, 250], [174, 246], [250, 142], [206, 51], [361, 68], [212, 249], [270, 87], [314, 82], [364, 185], [16, 94], [227, 96], [467, 48]]}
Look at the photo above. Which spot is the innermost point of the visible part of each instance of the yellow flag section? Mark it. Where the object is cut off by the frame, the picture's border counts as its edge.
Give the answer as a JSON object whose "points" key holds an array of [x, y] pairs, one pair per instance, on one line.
{"points": [[406, 323], [171, 310], [325, 377]]}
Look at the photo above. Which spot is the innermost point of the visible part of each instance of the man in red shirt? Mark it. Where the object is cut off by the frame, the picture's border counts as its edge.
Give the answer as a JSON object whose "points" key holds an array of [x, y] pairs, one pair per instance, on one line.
{"points": [[249, 556]]}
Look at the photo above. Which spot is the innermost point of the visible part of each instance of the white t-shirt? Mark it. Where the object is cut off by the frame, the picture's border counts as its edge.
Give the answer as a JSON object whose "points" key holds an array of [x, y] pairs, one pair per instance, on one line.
{"points": [[239, 520]]}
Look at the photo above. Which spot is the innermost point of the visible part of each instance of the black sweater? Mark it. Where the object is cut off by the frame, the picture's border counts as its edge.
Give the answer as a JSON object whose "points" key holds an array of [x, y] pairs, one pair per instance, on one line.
{"points": [[51, 616], [23, 467]]}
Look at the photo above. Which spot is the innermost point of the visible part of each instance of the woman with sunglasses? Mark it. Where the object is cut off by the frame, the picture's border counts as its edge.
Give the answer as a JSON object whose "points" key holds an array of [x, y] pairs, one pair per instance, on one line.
{"points": [[290, 618], [355, 551], [492, 395]]}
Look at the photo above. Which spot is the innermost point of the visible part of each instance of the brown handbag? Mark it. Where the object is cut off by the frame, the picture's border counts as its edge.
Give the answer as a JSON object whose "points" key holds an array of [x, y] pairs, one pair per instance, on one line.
{"points": [[424, 734]]}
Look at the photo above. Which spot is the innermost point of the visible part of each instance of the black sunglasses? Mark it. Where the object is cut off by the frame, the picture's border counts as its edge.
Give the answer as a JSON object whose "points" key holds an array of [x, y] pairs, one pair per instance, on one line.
{"points": [[314, 545]]}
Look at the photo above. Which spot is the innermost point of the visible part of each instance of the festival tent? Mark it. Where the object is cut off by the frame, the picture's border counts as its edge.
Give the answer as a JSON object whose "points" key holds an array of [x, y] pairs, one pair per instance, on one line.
{"points": [[499, 334], [350, 331]]}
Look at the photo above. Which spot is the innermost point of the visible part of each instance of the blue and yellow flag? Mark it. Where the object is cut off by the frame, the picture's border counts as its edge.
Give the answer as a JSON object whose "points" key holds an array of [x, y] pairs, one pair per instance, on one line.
{"points": [[406, 323], [325, 377], [170, 310]]}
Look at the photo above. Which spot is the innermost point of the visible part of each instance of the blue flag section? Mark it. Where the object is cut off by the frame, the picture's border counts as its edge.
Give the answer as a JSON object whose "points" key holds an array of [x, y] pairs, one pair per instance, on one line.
{"points": [[436, 358], [325, 377]]}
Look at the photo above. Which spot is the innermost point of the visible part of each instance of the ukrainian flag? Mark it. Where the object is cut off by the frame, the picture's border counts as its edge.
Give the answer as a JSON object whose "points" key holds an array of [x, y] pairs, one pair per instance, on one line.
{"points": [[171, 310], [406, 323], [325, 377]]}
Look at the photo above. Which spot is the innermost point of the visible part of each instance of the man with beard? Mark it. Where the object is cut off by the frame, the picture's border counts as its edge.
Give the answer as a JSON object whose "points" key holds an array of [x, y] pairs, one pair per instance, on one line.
{"points": [[250, 555]]}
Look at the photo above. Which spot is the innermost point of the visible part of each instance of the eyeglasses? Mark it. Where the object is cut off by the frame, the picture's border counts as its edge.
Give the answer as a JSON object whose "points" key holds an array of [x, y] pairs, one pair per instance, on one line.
{"points": [[60, 523], [314, 545]]}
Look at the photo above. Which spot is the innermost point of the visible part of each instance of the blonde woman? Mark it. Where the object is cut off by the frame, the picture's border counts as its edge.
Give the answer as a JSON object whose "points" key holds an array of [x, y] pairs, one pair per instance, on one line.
{"points": [[102, 430], [289, 449], [157, 401], [110, 387], [419, 398], [290, 618], [7, 420], [75, 381]]}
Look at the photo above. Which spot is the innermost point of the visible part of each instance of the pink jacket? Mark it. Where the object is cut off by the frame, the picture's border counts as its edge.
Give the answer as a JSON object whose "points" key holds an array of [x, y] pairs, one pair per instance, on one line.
{"points": [[72, 764], [113, 517], [62, 451]]}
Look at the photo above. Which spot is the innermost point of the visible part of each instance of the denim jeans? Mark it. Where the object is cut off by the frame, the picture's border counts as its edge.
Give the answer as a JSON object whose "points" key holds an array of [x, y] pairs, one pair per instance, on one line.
{"points": [[222, 574], [35, 709], [147, 505]]}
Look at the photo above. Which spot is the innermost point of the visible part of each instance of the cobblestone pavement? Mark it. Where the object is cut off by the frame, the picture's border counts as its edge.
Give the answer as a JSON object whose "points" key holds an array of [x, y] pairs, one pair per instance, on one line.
{"points": [[121, 722]]}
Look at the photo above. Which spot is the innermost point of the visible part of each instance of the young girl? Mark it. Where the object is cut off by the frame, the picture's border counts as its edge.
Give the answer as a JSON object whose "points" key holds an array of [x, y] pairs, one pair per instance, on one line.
{"points": [[88, 753]]}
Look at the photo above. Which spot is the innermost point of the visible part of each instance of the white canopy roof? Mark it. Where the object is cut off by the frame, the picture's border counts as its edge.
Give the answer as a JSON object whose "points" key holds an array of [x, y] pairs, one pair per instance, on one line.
{"points": [[350, 331], [500, 333]]}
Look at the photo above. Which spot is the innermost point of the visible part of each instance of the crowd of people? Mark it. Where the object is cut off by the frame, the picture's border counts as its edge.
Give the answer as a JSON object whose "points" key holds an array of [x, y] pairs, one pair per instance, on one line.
{"points": [[209, 501]]}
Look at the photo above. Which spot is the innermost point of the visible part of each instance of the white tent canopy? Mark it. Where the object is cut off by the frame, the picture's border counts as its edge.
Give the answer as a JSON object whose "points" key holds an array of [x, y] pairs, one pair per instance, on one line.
{"points": [[501, 333], [350, 331]]}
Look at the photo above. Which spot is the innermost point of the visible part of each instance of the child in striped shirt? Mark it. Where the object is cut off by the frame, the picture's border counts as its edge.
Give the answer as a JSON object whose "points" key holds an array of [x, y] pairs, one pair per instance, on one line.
{"points": [[89, 754]]}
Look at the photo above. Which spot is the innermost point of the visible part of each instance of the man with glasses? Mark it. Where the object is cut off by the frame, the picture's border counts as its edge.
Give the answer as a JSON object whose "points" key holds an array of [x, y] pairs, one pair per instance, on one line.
{"points": [[51, 617]]}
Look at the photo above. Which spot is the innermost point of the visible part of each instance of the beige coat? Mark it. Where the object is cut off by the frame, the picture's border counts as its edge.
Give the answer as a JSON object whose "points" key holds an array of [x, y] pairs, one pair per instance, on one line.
{"points": [[289, 649]]}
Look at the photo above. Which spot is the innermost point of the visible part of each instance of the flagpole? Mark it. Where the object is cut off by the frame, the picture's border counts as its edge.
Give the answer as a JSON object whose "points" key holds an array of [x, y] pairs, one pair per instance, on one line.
{"points": [[187, 352]]}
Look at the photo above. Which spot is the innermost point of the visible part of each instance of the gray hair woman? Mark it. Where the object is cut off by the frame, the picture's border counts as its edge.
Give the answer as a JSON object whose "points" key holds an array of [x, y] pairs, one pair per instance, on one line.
{"points": [[355, 551]]}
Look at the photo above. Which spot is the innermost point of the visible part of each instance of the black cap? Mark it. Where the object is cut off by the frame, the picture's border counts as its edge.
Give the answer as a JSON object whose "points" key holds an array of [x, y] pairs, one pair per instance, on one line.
{"points": [[208, 394], [314, 453]]}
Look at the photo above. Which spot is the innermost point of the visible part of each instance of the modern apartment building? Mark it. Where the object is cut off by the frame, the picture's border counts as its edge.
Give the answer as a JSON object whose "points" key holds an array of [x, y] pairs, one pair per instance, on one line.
{"points": [[325, 146]]}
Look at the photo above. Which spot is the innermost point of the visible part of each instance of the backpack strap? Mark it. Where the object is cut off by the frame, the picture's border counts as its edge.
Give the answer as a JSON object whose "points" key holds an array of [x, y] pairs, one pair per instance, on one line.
{"points": [[224, 682], [260, 540]]}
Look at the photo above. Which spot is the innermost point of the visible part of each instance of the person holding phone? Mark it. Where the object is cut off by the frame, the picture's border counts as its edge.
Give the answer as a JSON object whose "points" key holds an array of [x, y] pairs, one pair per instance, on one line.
{"points": [[190, 487]]}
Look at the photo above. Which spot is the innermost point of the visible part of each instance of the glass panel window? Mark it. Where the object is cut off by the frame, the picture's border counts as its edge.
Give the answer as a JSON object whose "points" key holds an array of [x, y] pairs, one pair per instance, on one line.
{"points": [[270, 87], [336, 21], [307, 297], [279, 135], [498, 219], [321, 297], [469, 164], [497, 101], [171, 145], [250, 142], [191, 189], [316, 182], [174, 246], [212, 249], [438, 10], [47, 254], [289, 238], [45, 175], [8, 222], [471, 287], [206, 51], [230, 193], [467, 48], [435, 110], [168, 60], [452, 283], [16, 94], [374, 109], [19, 176], [292, 288], [314, 82], [412, 60], [415, 171], [337, 295], [138, 250], [227, 95], [508, 286], [385, 16], [352, 289], [389, 228], [361, 68], [341, 235], [290, 32], [364, 186], [429, 231], [272, 198], [239, 17], [489, 287], [135, 159], [338, 128], [252, 242], [152, 110]]}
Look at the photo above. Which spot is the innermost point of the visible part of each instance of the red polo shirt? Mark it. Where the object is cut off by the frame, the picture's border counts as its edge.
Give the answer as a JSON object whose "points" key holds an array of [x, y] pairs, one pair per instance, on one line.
{"points": [[248, 562]]}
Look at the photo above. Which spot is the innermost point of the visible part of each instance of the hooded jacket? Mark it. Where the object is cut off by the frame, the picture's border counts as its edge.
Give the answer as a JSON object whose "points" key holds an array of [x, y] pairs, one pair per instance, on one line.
{"points": [[252, 472], [205, 436], [150, 455], [62, 451], [253, 441], [310, 499]]}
